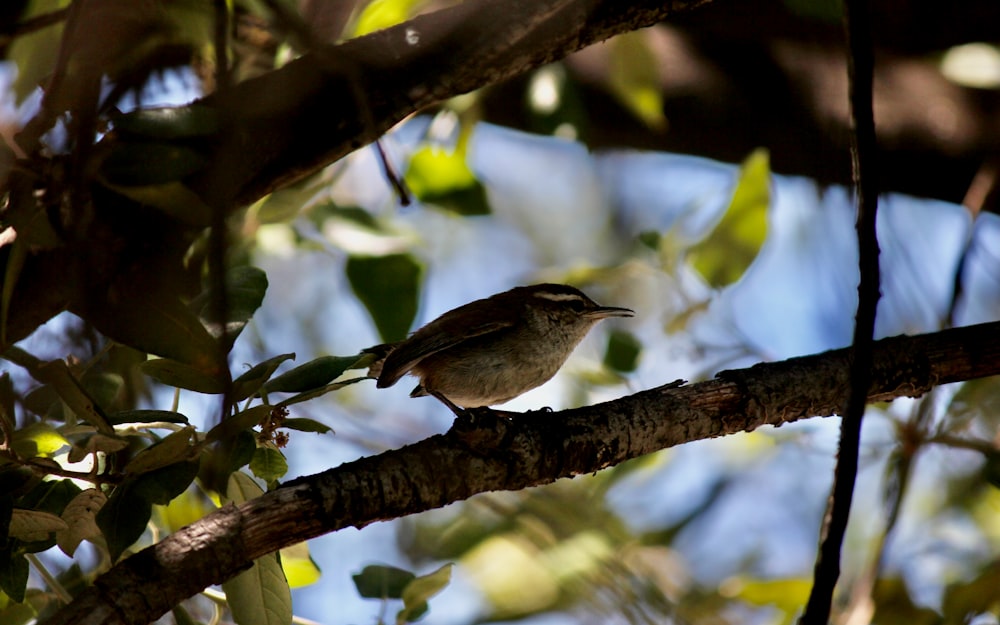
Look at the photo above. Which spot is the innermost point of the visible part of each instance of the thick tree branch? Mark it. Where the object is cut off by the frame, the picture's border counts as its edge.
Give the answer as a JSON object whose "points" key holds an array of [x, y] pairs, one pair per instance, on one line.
{"points": [[319, 108], [511, 455]]}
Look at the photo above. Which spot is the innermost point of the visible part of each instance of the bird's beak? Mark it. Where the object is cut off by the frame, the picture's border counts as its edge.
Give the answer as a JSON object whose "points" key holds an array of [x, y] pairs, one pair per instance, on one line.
{"points": [[603, 312]]}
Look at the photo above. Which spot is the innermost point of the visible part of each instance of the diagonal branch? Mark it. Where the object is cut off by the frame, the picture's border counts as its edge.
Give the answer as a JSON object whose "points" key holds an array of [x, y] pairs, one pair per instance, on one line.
{"points": [[515, 454]]}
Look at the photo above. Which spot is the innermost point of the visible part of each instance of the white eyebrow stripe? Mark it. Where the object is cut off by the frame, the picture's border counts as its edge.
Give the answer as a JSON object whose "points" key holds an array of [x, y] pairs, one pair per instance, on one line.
{"points": [[559, 297]]}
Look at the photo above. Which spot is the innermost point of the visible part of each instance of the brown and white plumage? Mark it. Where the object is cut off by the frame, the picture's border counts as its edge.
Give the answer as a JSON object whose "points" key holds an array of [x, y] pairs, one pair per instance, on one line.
{"points": [[491, 350]]}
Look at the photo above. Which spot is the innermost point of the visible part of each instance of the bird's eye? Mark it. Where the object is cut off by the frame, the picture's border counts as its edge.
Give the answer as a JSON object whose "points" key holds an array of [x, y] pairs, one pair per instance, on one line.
{"points": [[577, 305]]}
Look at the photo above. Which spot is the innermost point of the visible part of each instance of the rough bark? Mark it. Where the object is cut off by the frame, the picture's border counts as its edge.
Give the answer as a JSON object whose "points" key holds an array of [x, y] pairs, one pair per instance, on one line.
{"points": [[488, 453]]}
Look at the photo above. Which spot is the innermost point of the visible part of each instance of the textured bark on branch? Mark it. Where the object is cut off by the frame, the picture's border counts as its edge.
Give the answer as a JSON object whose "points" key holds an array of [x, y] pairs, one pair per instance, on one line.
{"points": [[497, 454]]}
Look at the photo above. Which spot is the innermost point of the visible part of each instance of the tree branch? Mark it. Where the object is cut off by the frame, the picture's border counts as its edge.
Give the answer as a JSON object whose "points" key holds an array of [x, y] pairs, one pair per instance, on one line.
{"points": [[864, 152], [514, 454]]}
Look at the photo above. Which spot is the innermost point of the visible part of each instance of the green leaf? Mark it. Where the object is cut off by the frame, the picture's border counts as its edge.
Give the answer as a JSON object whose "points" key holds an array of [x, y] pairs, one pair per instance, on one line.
{"points": [[80, 517], [181, 122], [443, 177], [145, 163], [241, 488], [251, 381], [13, 572], [260, 595], [163, 484], [724, 255], [146, 416], [245, 289], [57, 374], [180, 375], [623, 351], [123, 518], [174, 447], [306, 425], [239, 422], [172, 197], [381, 581], [634, 78], [34, 526], [38, 440], [388, 287], [313, 374], [299, 567], [420, 590], [319, 392], [380, 14], [141, 312], [268, 464]]}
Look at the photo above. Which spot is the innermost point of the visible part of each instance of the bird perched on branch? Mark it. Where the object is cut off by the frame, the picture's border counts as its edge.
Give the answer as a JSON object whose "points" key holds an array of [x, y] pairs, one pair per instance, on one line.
{"points": [[491, 350]]}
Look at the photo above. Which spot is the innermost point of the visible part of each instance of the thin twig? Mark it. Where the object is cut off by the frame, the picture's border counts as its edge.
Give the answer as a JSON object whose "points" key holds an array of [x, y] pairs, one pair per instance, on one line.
{"points": [[861, 70]]}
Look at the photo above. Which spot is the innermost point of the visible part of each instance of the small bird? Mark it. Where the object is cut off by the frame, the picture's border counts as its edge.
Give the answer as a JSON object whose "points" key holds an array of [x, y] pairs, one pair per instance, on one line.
{"points": [[491, 350]]}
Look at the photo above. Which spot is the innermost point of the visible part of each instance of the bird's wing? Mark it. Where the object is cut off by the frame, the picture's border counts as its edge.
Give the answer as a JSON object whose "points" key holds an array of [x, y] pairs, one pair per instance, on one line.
{"points": [[428, 340]]}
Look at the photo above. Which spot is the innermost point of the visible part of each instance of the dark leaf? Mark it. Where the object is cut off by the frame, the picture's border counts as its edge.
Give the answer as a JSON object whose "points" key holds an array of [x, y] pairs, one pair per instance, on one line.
{"points": [[251, 381], [388, 286], [146, 416], [381, 581], [306, 425], [180, 375], [182, 122], [623, 351], [312, 374]]}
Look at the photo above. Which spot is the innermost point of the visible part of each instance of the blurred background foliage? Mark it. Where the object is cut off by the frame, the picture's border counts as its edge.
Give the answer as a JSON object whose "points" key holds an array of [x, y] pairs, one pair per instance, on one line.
{"points": [[594, 170]]}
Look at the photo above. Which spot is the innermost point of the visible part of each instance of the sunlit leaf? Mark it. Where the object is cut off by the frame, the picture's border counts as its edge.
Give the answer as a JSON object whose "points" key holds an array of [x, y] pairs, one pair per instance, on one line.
{"points": [[440, 176], [381, 581], [260, 595], [299, 567], [268, 464], [724, 255], [241, 488], [634, 78], [312, 374], [184, 509], [38, 440], [420, 590], [388, 286], [380, 14]]}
